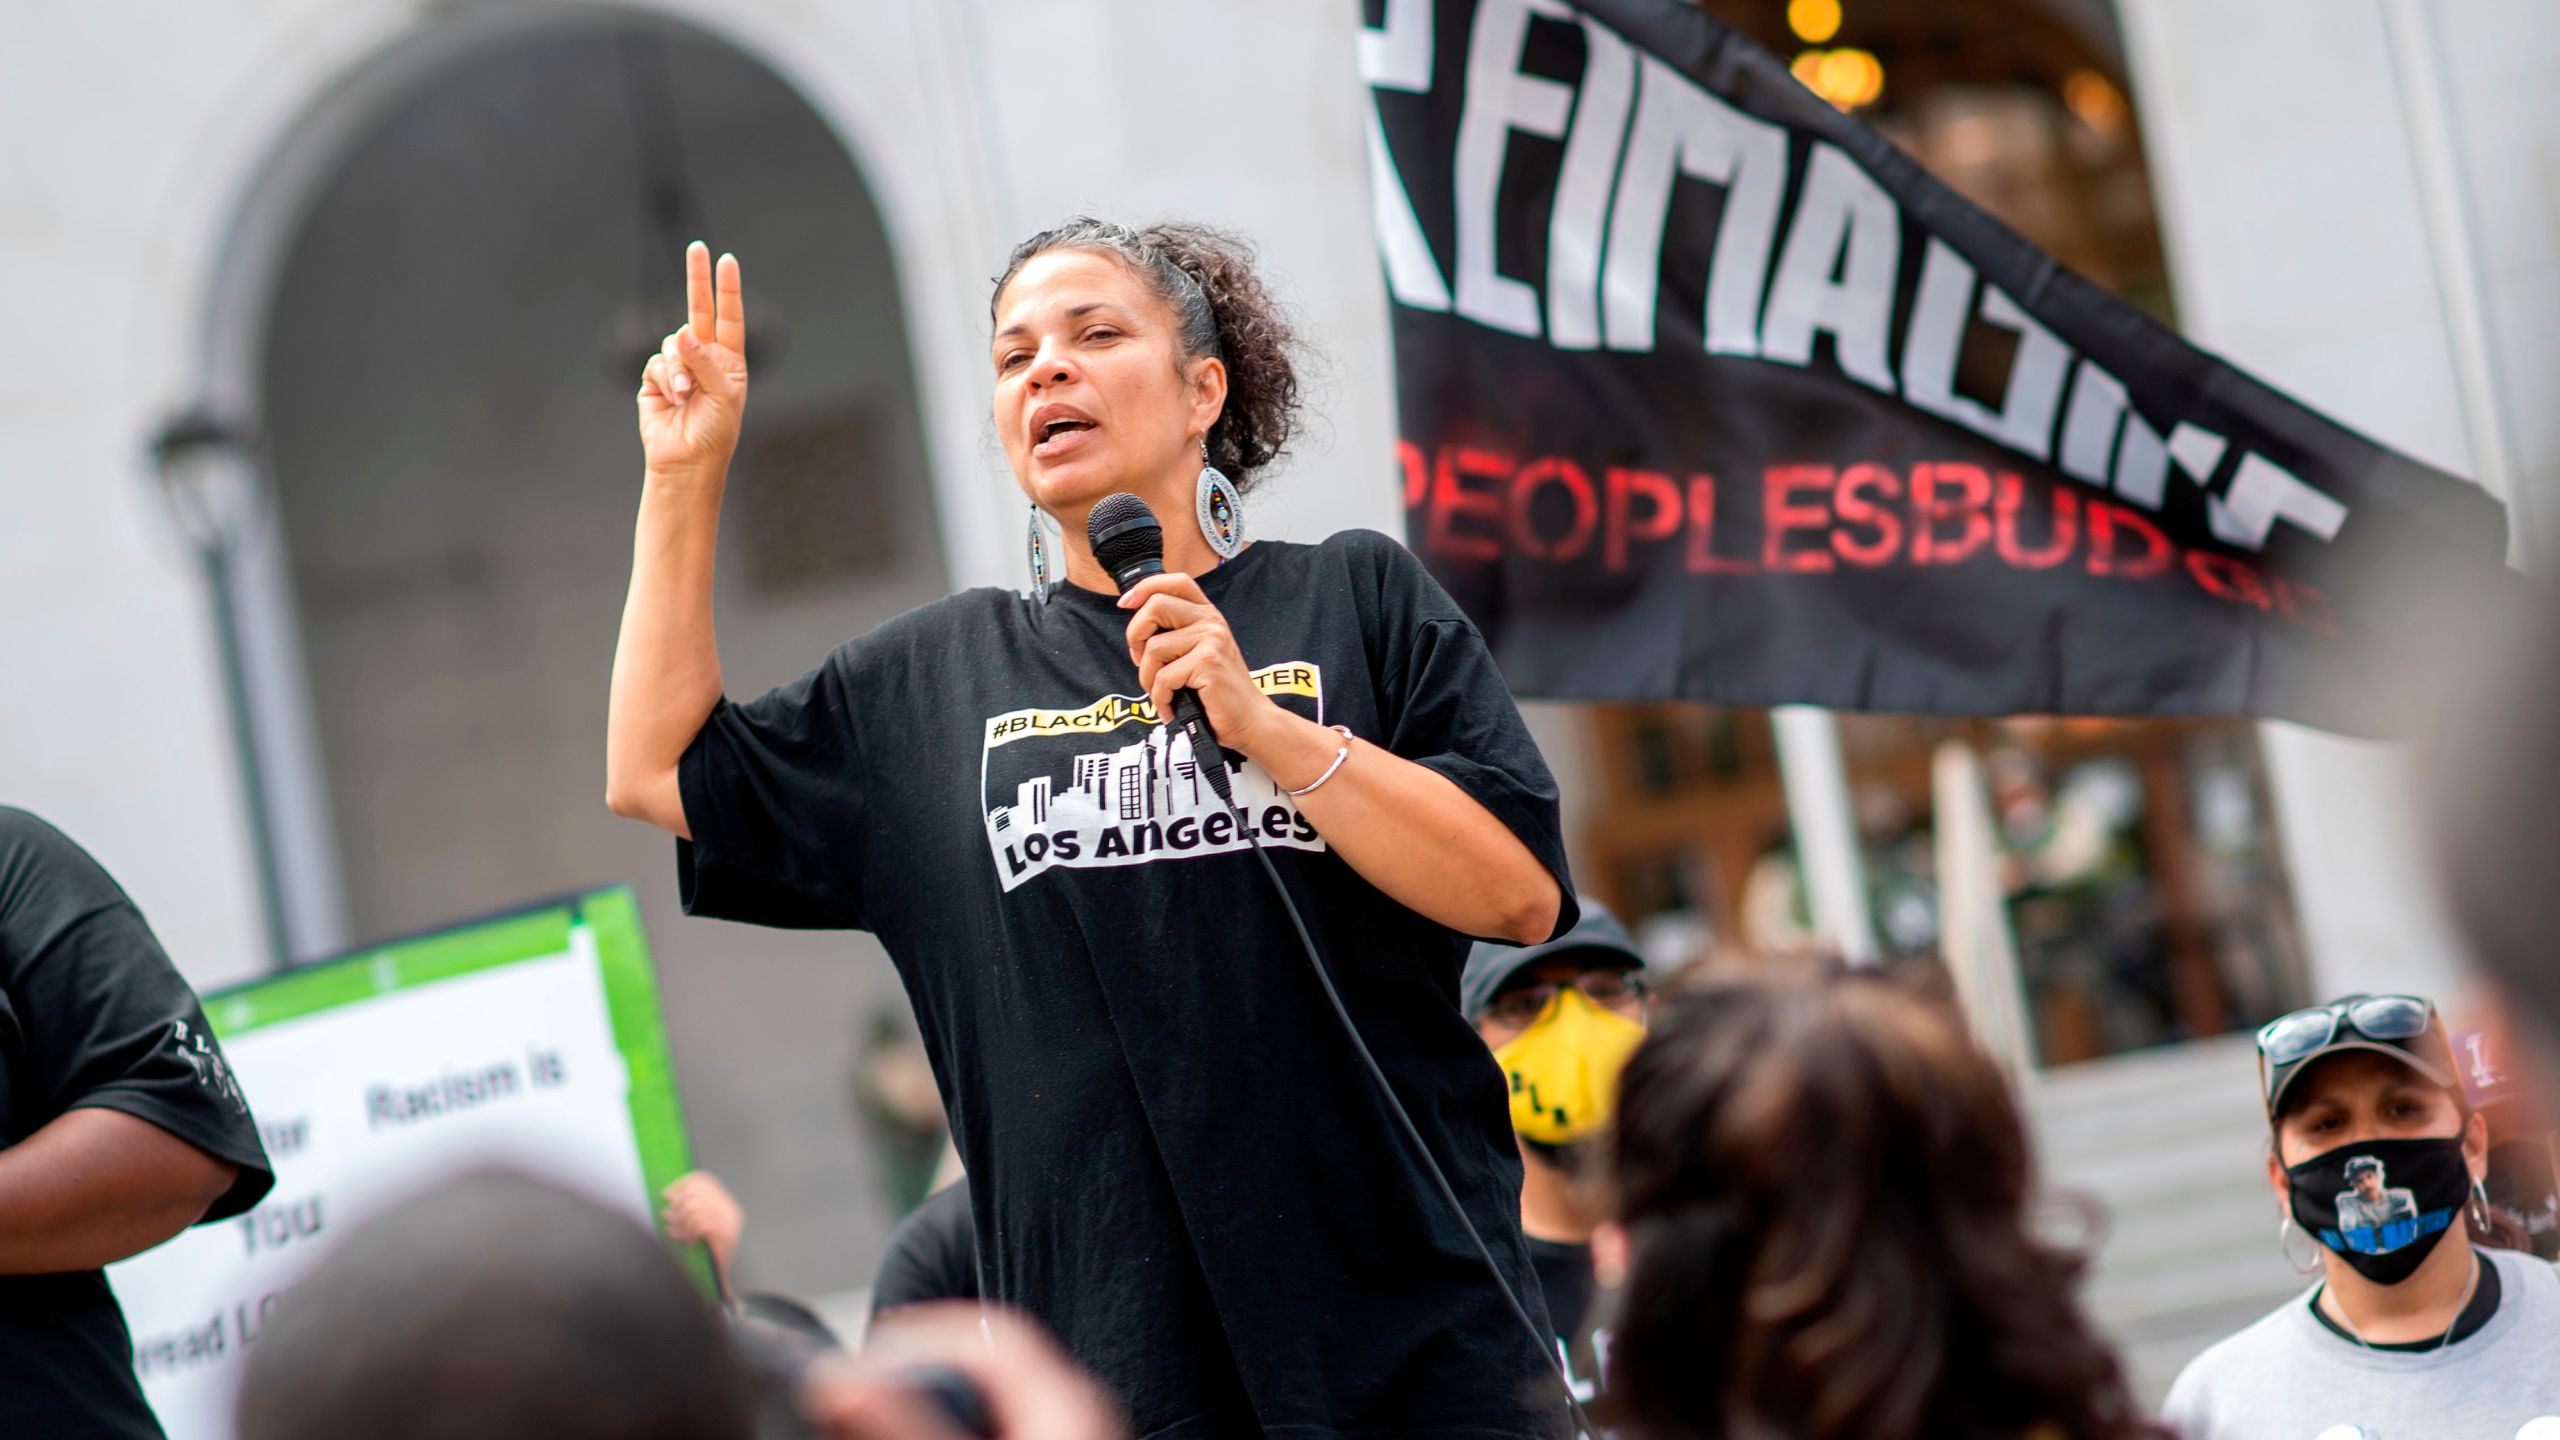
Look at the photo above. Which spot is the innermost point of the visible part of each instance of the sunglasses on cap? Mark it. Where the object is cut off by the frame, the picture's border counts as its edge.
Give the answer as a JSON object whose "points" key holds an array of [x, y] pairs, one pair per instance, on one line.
{"points": [[2394, 1024], [2297, 1036]]}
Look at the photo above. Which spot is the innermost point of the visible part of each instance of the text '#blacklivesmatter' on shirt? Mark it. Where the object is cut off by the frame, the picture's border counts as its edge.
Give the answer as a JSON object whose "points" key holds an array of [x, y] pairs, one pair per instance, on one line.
{"points": [[1077, 787]]}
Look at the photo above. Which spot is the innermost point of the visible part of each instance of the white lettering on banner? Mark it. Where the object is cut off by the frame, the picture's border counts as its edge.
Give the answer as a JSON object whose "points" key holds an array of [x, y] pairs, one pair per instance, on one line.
{"points": [[1836, 270], [1582, 190], [2098, 403], [1682, 130], [2197, 451], [1499, 100], [2265, 492], [1398, 58], [2034, 393]]}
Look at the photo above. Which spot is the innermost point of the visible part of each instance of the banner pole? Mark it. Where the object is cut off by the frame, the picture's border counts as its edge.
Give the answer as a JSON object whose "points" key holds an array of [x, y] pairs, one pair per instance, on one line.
{"points": [[1975, 942], [1826, 829]]}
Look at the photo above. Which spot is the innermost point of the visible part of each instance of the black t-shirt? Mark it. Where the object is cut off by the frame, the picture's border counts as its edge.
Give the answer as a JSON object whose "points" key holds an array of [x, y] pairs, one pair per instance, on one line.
{"points": [[1564, 1276], [933, 1254], [93, 1014], [1175, 1159]]}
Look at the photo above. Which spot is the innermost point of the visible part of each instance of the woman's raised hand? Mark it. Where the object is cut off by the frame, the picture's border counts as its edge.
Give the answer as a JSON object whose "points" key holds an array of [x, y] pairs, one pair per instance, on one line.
{"points": [[693, 394]]}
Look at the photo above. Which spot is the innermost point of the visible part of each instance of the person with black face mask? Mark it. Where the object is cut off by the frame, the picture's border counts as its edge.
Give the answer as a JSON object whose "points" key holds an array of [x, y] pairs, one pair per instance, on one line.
{"points": [[2412, 1331]]}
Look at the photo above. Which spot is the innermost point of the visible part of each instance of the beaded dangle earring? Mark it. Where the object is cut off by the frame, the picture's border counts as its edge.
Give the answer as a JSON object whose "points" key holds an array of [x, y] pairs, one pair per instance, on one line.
{"points": [[1221, 508], [1038, 548]]}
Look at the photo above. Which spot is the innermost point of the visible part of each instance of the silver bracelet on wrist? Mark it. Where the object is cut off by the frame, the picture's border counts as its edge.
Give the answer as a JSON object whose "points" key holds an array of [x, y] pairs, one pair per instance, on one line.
{"points": [[1339, 756]]}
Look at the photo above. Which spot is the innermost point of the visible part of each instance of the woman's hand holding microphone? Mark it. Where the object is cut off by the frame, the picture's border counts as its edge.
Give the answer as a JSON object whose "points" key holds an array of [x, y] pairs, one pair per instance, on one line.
{"points": [[1179, 640]]}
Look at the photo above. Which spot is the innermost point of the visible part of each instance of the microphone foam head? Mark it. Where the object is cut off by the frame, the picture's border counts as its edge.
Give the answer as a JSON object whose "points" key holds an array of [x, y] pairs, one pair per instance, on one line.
{"points": [[1125, 535]]}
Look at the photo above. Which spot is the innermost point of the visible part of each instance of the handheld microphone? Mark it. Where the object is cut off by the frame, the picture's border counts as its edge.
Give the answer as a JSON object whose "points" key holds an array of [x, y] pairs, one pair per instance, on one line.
{"points": [[1129, 543]]}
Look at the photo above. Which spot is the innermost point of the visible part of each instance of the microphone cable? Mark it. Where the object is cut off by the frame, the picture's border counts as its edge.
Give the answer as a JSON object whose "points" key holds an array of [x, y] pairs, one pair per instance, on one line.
{"points": [[1215, 771], [1128, 543]]}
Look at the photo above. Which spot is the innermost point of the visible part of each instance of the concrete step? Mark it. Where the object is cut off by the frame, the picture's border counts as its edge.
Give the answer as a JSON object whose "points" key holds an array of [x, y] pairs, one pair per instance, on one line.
{"points": [[2209, 1164], [2169, 1249], [2225, 1064], [2173, 1300], [2170, 1147], [2155, 1103]]}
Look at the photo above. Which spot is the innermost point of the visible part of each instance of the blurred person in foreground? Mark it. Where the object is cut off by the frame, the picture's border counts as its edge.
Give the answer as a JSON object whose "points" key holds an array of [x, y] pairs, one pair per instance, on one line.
{"points": [[1562, 1018], [497, 1307], [1823, 1186], [2412, 1330], [1011, 1382], [1177, 1159], [2490, 799], [120, 1125]]}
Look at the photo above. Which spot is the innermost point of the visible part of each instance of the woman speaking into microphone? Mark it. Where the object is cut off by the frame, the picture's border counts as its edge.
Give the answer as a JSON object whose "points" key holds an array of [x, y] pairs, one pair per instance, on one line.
{"points": [[1177, 1159]]}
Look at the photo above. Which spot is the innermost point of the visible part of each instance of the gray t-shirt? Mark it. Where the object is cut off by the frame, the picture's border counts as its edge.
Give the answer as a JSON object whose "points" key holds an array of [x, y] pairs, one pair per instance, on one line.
{"points": [[2287, 1377]]}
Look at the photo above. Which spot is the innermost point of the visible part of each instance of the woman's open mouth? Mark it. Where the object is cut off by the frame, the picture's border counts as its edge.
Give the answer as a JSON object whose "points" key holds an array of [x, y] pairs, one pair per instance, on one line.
{"points": [[1061, 436], [1058, 429]]}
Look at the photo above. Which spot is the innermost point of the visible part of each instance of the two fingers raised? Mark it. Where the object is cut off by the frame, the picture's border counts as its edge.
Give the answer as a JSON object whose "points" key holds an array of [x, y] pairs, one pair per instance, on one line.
{"points": [[715, 315], [715, 298]]}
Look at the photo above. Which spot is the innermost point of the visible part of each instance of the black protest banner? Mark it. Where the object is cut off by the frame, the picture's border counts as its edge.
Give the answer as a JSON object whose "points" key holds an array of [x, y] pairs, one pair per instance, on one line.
{"points": [[1709, 392]]}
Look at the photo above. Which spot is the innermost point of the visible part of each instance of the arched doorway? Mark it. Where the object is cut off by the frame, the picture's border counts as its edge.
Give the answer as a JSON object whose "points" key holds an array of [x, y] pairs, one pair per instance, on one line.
{"points": [[450, 349]]}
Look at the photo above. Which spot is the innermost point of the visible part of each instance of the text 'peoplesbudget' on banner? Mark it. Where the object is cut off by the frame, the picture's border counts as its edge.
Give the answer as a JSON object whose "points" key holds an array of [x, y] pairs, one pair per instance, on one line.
{"points": [[1709, 392]]}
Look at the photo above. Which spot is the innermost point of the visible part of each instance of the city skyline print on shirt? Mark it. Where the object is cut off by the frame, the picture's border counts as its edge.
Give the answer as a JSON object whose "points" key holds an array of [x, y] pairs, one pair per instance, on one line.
{"points": [[1075, 787]]}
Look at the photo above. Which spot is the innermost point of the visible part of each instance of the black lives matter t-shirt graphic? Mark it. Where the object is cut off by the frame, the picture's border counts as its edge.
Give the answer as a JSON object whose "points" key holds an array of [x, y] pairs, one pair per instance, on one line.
{"points": [[1110, 784], [1176, 1161]]}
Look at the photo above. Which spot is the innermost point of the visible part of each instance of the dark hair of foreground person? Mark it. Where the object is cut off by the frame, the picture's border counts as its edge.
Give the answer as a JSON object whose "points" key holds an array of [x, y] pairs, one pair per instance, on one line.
{"points": [[496, 1308], [1825, 1189]]}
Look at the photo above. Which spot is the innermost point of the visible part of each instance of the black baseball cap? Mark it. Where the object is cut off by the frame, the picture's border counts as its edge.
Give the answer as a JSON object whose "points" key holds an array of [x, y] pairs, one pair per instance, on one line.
{"points": [[1490, 965]]}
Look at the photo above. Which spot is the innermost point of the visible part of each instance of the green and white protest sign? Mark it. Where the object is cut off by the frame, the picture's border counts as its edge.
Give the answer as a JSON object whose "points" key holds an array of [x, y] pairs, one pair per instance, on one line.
{"points": [[531, 1040]]}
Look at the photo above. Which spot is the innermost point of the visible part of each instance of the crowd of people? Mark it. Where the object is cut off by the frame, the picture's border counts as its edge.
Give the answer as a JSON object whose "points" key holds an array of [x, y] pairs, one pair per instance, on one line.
{"points": [[1301, 1159], [1786, 1201], [1792, 1202]]}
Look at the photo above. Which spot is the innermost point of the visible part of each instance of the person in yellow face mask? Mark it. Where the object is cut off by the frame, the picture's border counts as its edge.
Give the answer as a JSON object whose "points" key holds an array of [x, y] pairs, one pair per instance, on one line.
{"points": [[1561, 1019]]}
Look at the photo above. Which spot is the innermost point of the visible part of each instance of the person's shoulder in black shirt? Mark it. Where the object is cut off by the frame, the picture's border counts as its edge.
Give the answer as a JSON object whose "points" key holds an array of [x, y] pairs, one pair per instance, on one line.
{"points": [[933, 1254], [97, 1031]]}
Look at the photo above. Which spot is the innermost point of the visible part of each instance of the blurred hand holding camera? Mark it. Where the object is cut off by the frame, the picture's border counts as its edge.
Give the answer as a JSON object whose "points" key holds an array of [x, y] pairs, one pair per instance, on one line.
{"points": [[1026, 1385]]}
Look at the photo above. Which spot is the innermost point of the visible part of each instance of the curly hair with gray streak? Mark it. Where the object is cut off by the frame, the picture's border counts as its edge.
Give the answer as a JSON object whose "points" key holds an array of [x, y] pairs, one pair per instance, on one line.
{"points": [[1221, 309]]}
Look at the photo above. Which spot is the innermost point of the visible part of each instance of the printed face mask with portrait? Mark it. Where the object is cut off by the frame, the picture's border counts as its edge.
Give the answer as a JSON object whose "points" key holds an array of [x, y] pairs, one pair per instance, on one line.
{"points": [[1563, 1069], [2382, 1204]]}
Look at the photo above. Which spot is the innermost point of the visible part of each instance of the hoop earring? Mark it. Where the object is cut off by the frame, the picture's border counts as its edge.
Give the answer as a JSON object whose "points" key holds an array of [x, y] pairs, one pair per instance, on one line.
{"points": [[2480, 1213], [1038, 549], [1221, 508], [2285, 1231]]}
